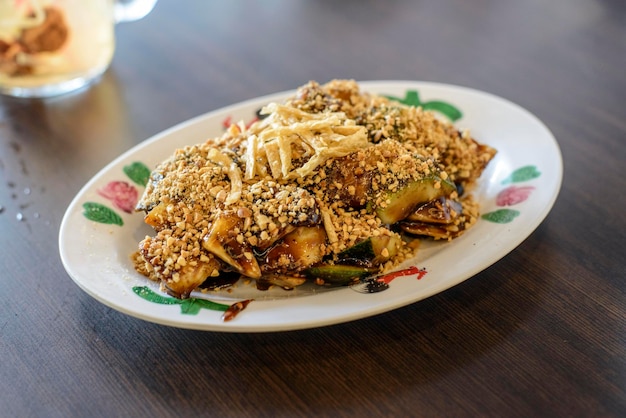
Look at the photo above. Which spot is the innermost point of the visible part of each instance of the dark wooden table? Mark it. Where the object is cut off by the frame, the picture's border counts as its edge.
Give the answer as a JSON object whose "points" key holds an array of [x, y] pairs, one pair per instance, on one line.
{"points": [[540, 333]]}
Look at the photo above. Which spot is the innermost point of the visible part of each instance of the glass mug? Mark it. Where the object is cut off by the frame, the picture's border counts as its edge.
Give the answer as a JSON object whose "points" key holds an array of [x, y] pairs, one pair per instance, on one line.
{"points": [[51, 47]]}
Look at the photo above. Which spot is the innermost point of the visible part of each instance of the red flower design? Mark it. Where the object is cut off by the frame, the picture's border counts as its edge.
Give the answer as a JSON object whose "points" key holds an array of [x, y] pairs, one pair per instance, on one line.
{"points": [[228, 120], [513, 195], [249, 124], [123, 195]]}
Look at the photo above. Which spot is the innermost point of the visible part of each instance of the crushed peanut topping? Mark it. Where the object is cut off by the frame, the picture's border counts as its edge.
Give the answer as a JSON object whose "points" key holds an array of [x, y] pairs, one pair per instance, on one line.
{"points": [[330, 168]]}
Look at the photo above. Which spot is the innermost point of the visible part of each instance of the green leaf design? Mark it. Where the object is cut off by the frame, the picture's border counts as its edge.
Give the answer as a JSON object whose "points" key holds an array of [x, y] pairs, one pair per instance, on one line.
{"points": [[190, 306], [525, 173], [99, 213], [447, 109], [412, 98], [501, 216], [148, 294], [138, 173]]}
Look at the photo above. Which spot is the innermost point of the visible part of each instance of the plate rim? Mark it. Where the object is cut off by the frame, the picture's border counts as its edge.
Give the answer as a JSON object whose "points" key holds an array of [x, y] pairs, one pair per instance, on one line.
{"points": [[538, 218]]}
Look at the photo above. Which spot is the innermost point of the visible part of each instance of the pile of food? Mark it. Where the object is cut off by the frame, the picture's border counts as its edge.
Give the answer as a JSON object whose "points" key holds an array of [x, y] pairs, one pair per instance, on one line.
{"points": [[331, 186]]}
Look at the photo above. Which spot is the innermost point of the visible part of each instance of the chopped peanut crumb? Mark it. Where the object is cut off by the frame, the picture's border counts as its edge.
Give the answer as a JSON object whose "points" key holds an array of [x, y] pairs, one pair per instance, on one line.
{"points": [[322, 164]]}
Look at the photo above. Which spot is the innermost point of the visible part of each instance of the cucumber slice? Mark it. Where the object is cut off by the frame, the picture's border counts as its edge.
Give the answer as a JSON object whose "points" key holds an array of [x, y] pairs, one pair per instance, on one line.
{"points": [[302, 248], [371, 251], [437, 211], [339, 274], [402, 202]]}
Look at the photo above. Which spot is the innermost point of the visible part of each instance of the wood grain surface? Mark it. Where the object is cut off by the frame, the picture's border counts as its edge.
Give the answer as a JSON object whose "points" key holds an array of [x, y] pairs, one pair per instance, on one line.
{"points": [[540, 333]]}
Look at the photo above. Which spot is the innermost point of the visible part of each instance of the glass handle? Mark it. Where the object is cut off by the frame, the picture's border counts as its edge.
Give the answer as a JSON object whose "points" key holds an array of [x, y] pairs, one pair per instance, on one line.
{"points": [[130, 10]]}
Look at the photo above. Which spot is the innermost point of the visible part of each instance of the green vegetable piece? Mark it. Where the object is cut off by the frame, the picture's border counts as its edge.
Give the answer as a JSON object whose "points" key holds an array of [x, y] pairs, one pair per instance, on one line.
{"points": [[138, 173], [362, 251], [99, 213], [403, 202], [371, 251], [339, 274]]}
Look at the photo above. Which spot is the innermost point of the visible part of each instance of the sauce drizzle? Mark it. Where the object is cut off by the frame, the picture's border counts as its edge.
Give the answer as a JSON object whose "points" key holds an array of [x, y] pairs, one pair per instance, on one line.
{"points": [[388, 278], [234, 309]]}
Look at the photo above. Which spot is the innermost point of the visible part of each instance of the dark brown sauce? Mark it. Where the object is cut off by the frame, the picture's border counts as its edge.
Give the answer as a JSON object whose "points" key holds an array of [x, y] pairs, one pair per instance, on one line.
{"points": [[224, 280], [234, 309], [263, 284]]}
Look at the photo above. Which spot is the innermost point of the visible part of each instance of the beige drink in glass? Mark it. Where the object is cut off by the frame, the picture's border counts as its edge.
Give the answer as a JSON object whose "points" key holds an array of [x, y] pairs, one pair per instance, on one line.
{"points": [[50, 47]]}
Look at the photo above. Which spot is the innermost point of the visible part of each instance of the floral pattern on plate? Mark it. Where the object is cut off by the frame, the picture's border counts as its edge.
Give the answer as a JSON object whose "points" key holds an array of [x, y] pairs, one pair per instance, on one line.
{"points": [[121, 194], [124, 196], [97, 235], [512, 195]]}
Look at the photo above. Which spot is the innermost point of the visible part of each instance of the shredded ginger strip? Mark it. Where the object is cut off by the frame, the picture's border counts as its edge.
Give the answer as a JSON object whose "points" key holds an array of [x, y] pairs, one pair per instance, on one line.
{"points": [[232, 171], [289, 134]]}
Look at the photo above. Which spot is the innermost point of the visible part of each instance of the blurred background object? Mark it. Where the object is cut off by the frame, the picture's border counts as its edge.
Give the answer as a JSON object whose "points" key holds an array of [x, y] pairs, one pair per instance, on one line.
{"points": [[49, 47]]}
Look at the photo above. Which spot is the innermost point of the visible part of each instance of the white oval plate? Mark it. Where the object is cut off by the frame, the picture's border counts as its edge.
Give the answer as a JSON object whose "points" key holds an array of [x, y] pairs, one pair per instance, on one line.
{"points": [[515, 193]]}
